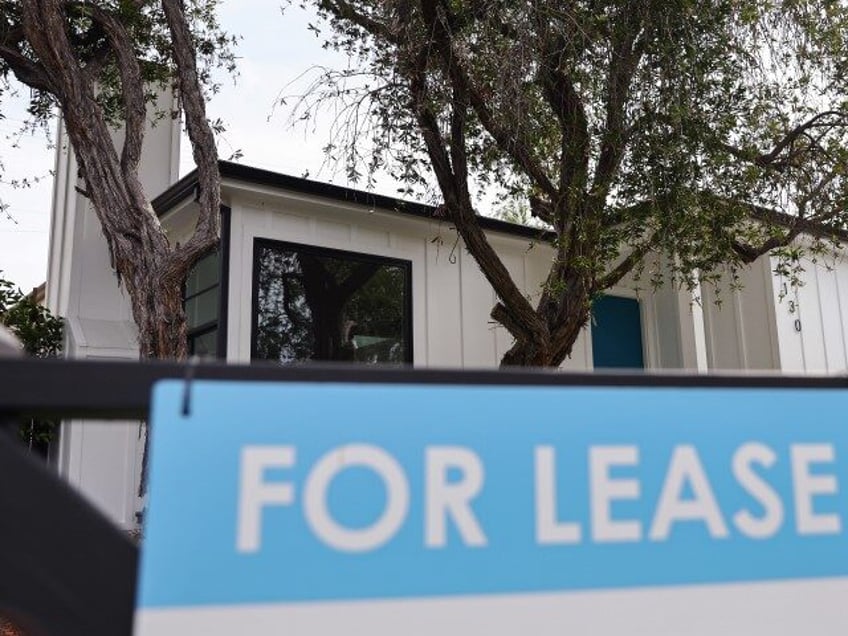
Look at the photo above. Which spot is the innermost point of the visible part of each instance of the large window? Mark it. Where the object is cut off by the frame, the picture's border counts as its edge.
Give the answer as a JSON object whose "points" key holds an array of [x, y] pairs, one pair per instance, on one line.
{"points": [[201, 306], [317, 304]]}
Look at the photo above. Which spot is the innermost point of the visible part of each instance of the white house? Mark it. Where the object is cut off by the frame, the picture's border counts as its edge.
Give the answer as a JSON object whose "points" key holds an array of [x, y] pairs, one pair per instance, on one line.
{"points": [[306, 270]]}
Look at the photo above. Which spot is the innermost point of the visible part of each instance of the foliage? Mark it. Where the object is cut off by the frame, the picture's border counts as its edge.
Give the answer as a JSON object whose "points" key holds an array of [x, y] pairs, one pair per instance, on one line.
{"points": [[40, 332], [150, 35], [708, 131], [101, 63]]}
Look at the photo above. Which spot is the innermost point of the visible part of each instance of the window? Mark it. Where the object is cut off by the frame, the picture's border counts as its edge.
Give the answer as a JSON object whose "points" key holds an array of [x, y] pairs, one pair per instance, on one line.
{"points": [[201, 306], [317, 304]]}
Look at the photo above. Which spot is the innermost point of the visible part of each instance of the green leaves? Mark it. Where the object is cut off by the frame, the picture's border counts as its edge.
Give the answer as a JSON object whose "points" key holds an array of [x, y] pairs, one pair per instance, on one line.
{"points": [[641, 126], [38, 330], [146, 25]]}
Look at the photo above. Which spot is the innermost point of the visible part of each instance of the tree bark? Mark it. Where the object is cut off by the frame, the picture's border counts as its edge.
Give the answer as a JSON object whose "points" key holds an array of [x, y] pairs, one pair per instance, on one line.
{"points": [[566, 314], [151, 271]]}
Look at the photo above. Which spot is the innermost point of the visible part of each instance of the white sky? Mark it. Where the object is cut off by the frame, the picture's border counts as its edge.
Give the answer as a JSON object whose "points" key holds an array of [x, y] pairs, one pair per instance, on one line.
{"points": [[275, 50]]}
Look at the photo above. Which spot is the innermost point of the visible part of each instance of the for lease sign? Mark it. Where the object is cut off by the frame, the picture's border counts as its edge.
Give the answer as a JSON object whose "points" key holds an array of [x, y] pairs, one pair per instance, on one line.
{"points": [[382, 509]]}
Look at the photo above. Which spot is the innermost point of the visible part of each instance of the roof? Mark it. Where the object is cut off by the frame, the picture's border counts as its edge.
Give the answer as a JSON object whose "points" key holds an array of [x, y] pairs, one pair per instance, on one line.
{"points": [[185, 188]]}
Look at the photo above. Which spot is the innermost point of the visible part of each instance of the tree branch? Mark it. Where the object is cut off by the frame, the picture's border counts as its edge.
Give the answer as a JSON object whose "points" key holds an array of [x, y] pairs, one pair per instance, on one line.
{"points": [[345, 11], [202, 139], [505, 139], [460, 208], [769, 158], [27, 71], [565, 102], [626, 54], [132, 88], [542, 210], [624, 267]]}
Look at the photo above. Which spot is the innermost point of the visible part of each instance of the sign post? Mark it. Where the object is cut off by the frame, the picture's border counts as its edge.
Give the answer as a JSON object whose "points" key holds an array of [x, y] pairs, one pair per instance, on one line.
{"points": [[460, 509]]}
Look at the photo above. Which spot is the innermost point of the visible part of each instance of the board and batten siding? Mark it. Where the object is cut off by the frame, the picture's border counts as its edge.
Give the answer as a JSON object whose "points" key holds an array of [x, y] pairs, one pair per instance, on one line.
{"points": [[101, 460], [767, 324], [810, 319], [739, 320], [451, 300]]}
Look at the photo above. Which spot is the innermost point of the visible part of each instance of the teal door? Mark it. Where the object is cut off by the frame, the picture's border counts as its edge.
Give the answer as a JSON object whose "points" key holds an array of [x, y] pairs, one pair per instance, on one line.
{"points": [[617, 333]]}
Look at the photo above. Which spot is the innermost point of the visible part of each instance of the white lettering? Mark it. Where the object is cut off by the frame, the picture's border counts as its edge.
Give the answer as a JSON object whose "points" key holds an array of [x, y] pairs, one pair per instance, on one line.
{"points": [[315, 498], [769, 523], [807, 486], [605, 490], [548, 529], [452, 499], [255, 493], [685, 466]]}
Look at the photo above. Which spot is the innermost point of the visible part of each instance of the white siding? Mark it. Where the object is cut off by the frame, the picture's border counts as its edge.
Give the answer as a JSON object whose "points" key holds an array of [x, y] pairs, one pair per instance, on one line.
{"points": [[478, 329], [442, 298], [451, 300], [102, 460], [770, 325], [810, 318], [739, 323]]}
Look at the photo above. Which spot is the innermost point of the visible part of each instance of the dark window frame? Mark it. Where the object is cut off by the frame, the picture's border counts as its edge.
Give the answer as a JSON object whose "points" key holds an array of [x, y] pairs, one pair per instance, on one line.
{"points": [[223, 285], [206, 327], [224, 282], [197, 332], [315, 250]]}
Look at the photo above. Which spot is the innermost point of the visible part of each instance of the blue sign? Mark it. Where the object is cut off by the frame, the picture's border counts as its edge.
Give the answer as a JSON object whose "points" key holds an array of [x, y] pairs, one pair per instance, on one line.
{"points": [[291, 493]]}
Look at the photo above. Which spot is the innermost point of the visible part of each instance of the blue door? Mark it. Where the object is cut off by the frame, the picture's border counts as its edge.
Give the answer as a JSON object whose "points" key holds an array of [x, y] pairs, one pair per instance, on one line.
{"points": [[617, 333]]}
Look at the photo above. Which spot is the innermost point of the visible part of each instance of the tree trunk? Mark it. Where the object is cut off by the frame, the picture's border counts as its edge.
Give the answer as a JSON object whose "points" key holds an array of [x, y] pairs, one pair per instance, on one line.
{"points": [[151, 271], [161, 320], [565, 308], [526, 353]]}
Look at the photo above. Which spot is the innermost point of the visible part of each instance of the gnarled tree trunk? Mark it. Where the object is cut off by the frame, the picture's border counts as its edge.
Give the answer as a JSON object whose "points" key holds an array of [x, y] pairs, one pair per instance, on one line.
{"points": [[41, 53]]}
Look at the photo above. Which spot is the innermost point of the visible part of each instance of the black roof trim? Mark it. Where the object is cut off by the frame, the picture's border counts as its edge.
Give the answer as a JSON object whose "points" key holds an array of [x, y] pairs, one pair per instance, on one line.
{"points": [[175, 194], [185, 187]]}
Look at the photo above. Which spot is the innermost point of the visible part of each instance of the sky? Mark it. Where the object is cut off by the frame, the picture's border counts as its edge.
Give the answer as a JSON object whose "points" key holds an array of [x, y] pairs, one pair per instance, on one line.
{"points": [[276, 49]]}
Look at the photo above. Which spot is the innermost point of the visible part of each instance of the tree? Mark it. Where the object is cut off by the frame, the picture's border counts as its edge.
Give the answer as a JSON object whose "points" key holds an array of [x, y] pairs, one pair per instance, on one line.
{"points": [[711, 132], [99, 62], [39, 331]]}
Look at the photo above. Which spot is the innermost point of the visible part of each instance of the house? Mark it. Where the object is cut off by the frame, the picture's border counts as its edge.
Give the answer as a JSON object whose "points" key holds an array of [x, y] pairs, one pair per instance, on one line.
{"points": [[309, 270]]}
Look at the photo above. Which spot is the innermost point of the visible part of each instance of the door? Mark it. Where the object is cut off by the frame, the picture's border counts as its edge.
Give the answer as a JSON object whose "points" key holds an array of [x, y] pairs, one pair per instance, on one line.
{"points": [[617, 333]]}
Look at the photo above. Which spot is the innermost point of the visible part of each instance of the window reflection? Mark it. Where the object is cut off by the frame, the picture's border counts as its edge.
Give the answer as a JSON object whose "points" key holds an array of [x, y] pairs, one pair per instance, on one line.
{"points": [[315, 304]]}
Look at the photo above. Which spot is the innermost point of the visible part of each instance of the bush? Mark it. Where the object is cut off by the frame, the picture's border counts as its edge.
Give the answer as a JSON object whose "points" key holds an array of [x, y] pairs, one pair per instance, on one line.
{"points": [[40, 332]]}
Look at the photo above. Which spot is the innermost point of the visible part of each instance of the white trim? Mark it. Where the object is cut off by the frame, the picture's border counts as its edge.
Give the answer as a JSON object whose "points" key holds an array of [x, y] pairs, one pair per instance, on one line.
{"points": [[246, 229], [779, 608]]}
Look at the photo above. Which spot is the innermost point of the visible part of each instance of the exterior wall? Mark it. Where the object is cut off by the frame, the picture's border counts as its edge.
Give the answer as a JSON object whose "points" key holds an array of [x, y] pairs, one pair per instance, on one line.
{"points": [[770, 325], [451, 298], [739, 323], [103, 460], [811, 319], [751, 328]]}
